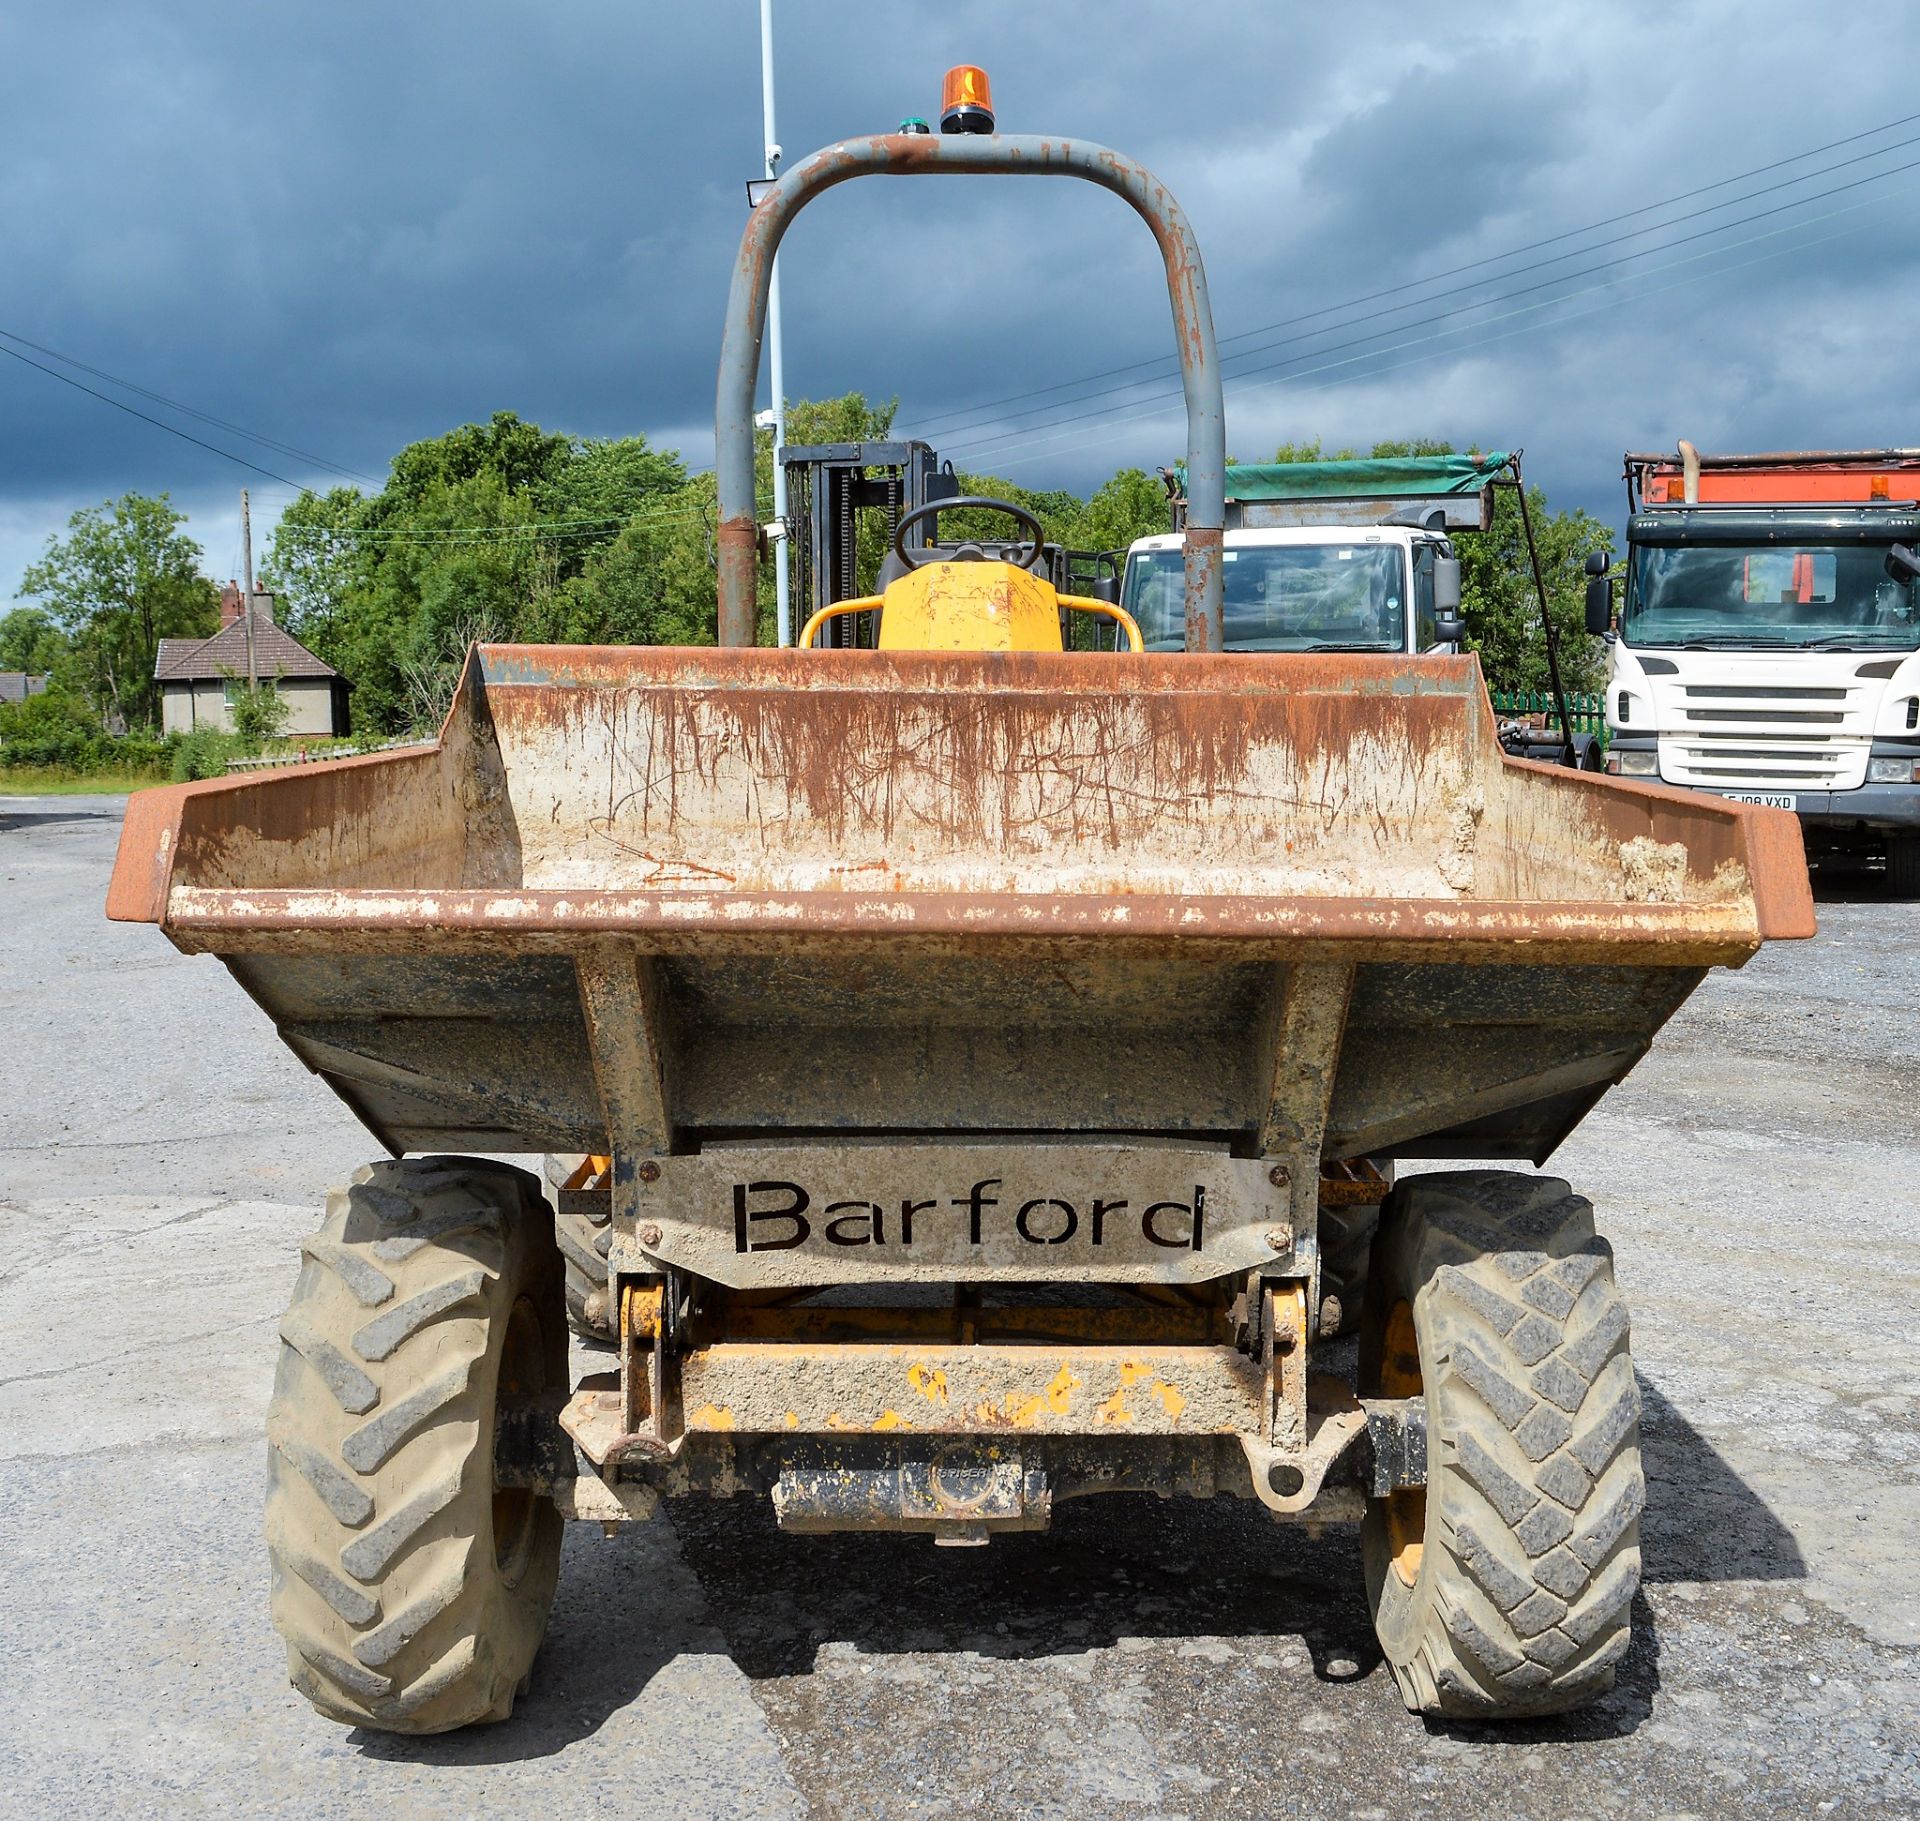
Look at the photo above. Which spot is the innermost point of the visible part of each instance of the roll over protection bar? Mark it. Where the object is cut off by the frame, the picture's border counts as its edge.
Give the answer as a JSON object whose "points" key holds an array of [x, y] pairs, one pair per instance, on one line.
{"points": [[905, 155]]}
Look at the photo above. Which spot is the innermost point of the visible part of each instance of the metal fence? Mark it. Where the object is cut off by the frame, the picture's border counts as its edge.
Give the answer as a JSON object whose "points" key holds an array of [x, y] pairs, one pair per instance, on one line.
{"points": [[1588, 712], [304, 755]]}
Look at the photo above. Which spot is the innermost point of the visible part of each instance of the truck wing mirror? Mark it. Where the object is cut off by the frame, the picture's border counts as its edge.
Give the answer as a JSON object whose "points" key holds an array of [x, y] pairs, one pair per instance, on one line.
{"points": [[1902, 565], [1598, 562], [1448, 626], [1599, 604]]}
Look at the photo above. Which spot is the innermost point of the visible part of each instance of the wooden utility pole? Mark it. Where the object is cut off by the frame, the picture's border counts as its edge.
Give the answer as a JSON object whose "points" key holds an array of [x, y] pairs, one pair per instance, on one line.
{"points": [[246, 559]]}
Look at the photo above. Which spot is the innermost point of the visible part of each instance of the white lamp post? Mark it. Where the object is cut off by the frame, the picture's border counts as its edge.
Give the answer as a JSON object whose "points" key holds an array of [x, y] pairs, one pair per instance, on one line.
{"points": [[777, 373]]}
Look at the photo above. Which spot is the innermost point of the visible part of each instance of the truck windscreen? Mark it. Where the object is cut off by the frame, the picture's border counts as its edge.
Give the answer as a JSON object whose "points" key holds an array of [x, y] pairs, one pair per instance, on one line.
{"points": [[1768, 596], [1281, 597]]}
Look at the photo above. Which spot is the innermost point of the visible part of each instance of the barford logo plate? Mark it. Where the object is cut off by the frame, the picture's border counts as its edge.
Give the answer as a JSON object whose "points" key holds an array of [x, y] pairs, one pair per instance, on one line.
{"points": [[753, 1217]]}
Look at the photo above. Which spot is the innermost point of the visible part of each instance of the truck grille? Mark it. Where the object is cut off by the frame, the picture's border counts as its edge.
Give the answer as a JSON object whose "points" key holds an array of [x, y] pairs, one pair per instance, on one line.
{"points": [[1753, 737]]}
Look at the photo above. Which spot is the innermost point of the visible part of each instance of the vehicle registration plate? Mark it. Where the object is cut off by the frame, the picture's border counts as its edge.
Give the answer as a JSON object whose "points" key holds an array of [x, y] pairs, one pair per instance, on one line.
{"points": [[1773, 799]]}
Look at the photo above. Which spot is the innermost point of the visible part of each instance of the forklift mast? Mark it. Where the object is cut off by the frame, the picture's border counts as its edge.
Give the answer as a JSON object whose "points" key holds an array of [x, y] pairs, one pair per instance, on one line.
{"points": [[829, 486]]}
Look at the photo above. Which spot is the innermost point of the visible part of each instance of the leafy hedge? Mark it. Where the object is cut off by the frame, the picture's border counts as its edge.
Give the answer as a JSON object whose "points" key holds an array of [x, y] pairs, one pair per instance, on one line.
{"points": [[57, 734], [53, 732]]}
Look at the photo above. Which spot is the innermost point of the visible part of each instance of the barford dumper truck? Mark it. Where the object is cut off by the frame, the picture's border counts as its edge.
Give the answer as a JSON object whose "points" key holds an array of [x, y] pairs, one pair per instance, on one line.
{"points": [[972, 1025], [1768, 644]]}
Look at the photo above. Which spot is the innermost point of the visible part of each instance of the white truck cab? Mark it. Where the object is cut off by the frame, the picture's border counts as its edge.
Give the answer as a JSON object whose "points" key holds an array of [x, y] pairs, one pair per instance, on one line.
{"points": [[1768, 644], [1308, 588], [1340, 555]]}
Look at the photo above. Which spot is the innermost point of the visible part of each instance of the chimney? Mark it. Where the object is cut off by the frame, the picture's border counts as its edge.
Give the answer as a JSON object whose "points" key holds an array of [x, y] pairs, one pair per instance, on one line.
{"points": [[263, 606], [232, 604]]}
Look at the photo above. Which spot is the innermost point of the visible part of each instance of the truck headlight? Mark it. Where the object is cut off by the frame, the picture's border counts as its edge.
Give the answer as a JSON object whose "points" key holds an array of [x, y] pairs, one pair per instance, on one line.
{"points": [[1900, 770], [1635, 764]]}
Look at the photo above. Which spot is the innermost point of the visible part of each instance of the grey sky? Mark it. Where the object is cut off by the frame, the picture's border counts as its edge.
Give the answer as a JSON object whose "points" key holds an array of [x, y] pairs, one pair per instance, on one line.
{"points": [[351, 225]]}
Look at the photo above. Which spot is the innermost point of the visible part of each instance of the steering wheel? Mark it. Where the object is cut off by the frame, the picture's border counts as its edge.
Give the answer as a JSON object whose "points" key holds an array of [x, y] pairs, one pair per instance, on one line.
{"points": [[1024, 556]]}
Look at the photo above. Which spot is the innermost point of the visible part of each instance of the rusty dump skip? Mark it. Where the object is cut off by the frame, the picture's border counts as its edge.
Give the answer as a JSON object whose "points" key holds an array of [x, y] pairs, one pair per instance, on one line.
{"points": [[646, 899]]}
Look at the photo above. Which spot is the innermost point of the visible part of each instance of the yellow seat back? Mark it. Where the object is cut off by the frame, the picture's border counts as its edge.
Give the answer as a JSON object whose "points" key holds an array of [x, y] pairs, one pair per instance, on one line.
{"points": [[971, 606]]}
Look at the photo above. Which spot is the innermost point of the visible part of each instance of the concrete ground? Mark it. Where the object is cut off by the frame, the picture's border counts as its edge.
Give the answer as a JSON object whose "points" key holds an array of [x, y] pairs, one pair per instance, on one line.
{"points": [[161, 1156]]}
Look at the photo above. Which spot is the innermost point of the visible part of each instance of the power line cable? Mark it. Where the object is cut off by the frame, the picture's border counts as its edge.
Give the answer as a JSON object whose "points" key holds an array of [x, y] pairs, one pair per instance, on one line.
{"points": [[66, 379], [1474, 329], [1162, 364], [539, 529], [1517, 272], [984, 446], [1000, 436], [174, 404]]}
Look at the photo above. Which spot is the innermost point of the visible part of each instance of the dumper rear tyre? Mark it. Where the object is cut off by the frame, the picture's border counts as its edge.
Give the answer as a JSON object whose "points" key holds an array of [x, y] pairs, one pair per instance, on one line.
{"points": [[1503, 1589], [411, 1591], [584, 1240]]}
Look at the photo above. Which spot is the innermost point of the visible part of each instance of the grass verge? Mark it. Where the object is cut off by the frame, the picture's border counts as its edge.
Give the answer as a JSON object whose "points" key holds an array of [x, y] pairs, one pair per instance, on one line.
{"points": [[45, 781]]}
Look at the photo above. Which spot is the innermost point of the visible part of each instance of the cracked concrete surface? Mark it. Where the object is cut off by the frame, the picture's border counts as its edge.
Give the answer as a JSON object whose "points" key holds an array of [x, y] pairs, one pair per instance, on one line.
{"points": [[161, 1157]]}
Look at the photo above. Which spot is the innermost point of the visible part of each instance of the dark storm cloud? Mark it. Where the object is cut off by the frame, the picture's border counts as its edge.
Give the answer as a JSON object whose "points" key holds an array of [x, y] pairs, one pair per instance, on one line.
{"points": [[351, 225]]}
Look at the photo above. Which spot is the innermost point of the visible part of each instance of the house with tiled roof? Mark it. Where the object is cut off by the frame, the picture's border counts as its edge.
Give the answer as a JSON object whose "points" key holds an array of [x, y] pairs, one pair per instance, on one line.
{"points": [[199, 678]]}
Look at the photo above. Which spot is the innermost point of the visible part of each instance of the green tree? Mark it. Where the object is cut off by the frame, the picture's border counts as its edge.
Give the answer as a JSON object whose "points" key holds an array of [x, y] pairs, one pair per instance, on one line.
{"points": [[599, 483], [1132, 504], [519, 455], [1312, 452], [1056, 509], [1413, 445], [30, 641], [850, 418], [656, 583], [493, 531], [1386, 451], [124, 577], [259, 712], [314, 562], [1502, 607]]}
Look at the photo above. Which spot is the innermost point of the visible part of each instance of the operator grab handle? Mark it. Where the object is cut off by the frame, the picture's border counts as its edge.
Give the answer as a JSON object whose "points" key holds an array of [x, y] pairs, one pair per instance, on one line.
{"points": [[902, 155]]}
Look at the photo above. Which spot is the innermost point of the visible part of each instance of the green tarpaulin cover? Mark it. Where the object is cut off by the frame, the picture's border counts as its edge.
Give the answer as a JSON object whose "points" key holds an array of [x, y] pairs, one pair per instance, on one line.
{"points": [[1387, 477]]}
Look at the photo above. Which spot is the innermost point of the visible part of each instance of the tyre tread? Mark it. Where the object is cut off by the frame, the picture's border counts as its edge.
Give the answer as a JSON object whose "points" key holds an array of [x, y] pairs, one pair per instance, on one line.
{"points": [[1533, 1562], [384, 1585]]}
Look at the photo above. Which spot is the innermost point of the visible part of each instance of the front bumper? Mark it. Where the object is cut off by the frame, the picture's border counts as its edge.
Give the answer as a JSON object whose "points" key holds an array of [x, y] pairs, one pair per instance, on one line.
{"points": [[1879, 807]]}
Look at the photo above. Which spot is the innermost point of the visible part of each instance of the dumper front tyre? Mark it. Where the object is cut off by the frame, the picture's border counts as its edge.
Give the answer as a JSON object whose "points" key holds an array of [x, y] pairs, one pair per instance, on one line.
{"points": [[1503, 1588], [413, 1592]]}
